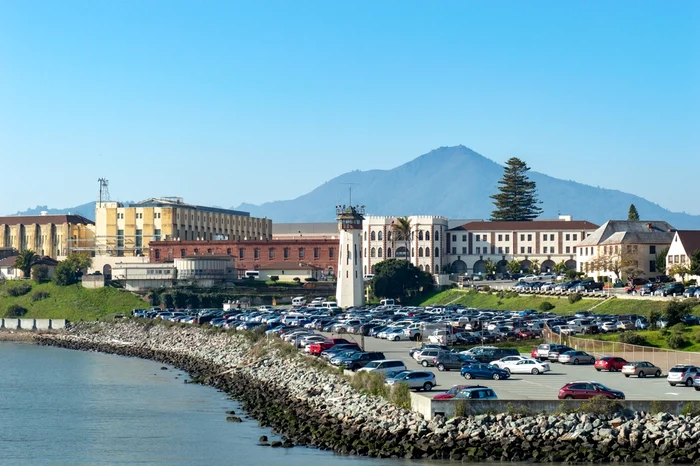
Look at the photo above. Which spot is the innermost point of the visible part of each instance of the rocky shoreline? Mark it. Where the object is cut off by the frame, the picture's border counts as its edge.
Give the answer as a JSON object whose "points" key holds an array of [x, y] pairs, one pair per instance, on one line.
{"points": [[316, 408]]}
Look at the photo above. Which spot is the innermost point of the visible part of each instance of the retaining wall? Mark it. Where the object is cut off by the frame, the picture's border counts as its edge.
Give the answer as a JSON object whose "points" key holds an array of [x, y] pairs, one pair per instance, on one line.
{"points": [[26, 324], [10, 324], [42, 324], [58, 324]]}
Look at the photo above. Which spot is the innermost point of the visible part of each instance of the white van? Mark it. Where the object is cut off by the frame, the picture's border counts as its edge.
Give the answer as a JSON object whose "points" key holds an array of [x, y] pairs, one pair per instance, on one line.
{"points": [[384, 366], [329, 305], [299, 301], [386, 302]]}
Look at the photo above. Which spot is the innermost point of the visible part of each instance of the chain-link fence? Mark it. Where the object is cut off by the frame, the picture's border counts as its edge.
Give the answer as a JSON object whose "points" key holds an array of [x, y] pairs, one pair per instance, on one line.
{"points": [[663, 358]]}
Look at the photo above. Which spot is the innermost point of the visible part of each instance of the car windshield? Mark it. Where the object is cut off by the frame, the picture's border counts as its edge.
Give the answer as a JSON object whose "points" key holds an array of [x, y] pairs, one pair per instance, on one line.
{"points": [[600, 386], [401, 374], [372, 364]]}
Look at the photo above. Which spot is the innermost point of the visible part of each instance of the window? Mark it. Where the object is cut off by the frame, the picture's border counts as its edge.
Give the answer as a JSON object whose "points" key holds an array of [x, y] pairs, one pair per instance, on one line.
{"points": [[365, 252], [157, 254], [682, 258], [522, 237], [379, 236], [271, 253], [256, 253], [379, 252], [420, 252], [156, 234], [507, 237], [228, 251], [372, 252], [427, 236], [331, 252], [529, 249], [182, 253], [529, 237], [454, 250], [388, 252], [522, 250], [629, 249], [388, 236], [478, 250], [209, 251], [427, 252], [568, 237], [551, 237], [241, 253], [544, 238], [301, 253], [420, 235], [285, 253], [372, 236], [507, 249], [196, 251], [477, 237], [437, 253], [500, 249], [464, 238], [544, 250], [652, 249], [437, 236], [454, 238], [500, 237], [568, 250], [464, 250], [575, 236], [365, 236], [652, 265], [139, 238]]}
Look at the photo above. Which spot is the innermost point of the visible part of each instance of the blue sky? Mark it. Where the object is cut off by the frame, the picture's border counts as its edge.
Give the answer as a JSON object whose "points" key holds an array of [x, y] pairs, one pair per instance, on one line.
{"points": [[229, 102]]}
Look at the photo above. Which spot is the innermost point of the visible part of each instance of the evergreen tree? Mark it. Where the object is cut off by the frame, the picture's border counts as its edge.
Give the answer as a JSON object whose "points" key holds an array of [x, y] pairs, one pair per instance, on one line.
{"points": [[660, 260], [633, 214], [694, 263], [517, 199]]}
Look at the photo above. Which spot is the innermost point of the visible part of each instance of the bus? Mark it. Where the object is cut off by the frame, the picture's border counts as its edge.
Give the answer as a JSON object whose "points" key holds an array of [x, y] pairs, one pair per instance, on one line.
{"points": [[252, 274]]}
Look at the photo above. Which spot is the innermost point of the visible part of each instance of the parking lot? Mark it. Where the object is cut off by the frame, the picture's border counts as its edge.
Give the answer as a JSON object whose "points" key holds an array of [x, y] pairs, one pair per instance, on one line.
{"points": [[537, 387]]}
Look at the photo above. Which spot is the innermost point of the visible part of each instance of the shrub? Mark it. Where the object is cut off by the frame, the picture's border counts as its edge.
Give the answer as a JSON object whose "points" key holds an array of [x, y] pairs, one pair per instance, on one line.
{"points": [[296, 279], [20, 289], [40, 273], [574, 297], [678, 328], [310, 279], [676, 340], [632, 338], [600, 405], [39, 295], [401, 395], [460, 408], [274, 278], [15, 310], [546, 306]]}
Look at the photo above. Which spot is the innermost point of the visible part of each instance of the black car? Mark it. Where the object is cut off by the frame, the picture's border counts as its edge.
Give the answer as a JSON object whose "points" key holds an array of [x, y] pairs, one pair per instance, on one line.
{"points": [[357, 360], [448, 361], [493, 354]]}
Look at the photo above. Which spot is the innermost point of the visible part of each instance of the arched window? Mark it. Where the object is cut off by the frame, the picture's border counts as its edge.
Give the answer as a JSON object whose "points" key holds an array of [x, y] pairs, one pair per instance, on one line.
{"points": [[420, 252], [228, 251], [437, 252], [427, 252], [365, 236], [437, 235], [196, 251], [427, 236], [388, 236], [209, 251], [372, 236], [379, 252], [388, 252], [437, 269], [379, 236], [420, 267], [420, 235], [372, 269], [372, 252], [365, 270], [365, 252], [413, 235], [413, 252], [182, 253]]}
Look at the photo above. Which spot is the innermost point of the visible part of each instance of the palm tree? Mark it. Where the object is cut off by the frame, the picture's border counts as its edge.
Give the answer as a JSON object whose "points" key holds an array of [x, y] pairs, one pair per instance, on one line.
{"points": [[402, 232], [25, 261]]}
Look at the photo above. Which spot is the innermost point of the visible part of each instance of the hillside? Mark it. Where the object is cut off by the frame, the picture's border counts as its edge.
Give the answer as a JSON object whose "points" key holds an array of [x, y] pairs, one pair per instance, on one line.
{"points": [[74, 302]]}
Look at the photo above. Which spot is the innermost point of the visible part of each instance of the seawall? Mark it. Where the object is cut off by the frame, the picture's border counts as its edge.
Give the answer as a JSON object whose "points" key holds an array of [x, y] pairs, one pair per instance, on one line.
{"points": [[317, 408]]}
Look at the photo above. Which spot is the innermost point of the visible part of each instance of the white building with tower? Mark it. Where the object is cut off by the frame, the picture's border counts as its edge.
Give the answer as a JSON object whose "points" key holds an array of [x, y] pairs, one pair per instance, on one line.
{"points": [[350, 289]]}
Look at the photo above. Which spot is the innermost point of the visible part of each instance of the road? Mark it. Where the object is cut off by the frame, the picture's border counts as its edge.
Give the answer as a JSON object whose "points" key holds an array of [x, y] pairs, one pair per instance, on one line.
{"points": [[538, 387]]}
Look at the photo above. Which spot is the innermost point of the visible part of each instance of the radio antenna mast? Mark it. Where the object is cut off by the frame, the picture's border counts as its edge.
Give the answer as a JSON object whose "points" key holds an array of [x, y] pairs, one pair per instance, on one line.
{"points": [[104, 190]]}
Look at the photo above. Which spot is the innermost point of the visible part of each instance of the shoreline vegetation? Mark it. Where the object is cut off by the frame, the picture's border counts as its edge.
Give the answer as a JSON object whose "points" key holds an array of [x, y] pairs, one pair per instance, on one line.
{"points": [[311, 404]]}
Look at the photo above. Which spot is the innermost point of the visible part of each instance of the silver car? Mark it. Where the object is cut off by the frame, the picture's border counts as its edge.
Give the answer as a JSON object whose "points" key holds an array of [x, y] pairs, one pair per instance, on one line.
{"points": [[420, 380]]}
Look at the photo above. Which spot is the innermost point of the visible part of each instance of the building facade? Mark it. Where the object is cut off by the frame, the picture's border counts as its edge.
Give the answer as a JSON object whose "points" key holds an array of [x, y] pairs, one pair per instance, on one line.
{"points": [[301, 253], [472, 246], [55, 236], [351, 288], [680, 252], [126, 231], [425, 247], [623, 249]]}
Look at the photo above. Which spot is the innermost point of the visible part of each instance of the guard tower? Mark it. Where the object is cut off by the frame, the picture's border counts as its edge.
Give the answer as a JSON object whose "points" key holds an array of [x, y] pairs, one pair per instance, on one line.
{"points": [[350, 288]]}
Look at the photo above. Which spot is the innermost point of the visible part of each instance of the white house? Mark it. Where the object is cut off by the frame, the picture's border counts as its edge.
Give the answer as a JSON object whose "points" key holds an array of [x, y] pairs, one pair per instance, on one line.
{"points": [[683, 245], [8, 271]]}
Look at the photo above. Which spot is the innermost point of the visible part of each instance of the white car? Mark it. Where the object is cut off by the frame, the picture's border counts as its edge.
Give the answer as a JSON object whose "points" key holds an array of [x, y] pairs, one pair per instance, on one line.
{"points": [[501, 363], [527, 366]]}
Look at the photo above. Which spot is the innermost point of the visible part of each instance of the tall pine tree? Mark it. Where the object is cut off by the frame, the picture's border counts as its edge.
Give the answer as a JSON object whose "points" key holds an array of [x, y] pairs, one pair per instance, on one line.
{"points": [[633, 214], [517, 199]]}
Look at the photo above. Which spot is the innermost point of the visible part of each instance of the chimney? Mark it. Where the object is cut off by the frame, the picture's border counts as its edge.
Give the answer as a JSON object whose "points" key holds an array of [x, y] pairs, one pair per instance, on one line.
{"points": [[649, 226]]}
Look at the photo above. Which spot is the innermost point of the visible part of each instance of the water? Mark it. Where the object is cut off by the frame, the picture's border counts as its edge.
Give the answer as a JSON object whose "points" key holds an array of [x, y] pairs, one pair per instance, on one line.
{"points": [[61, 407]]}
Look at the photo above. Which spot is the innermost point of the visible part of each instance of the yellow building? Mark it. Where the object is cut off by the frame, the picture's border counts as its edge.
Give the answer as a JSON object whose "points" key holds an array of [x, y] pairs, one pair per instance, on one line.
{"points": [[126, 231], [54, 236]]}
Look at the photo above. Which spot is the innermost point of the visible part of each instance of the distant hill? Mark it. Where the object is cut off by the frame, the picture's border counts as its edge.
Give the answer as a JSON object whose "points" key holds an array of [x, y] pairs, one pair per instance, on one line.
{"points": [[456, 182]]}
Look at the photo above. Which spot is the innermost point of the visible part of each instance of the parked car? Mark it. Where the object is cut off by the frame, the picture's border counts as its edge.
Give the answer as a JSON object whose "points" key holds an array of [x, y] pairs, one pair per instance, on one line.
{"points": [[448, 361], [420, 380], [553, 355], [413, 351], [589, 285], [357, 360], [682, 374], [457, 389], [317, 348], [501, 363], [625, 325], [491, 354], [476, 393], [426, 357], [384, 366], [576, 357], [671, 289], [587, 390], [544, 349], [483, 371], [526, 366], [610, 364], [641, 369]]}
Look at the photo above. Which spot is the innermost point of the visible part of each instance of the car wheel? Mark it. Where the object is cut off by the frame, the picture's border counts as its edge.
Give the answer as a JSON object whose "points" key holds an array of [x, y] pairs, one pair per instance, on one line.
{"points": [[697, 389], [568, 397], [441, 367], [356, 367], [396, 338], [689, 383], [427, 386], [496, 376], [613, 369], [598, 369], [535, 371], [627, 375], [575, 362], [657, 374], [641, 374], [467, 375], [424, 363], [417, 337], [672, 384]]}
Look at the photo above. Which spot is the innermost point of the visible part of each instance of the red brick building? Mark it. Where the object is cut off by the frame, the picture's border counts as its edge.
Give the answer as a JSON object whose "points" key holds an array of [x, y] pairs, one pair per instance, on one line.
{"points": [[318, 253]]}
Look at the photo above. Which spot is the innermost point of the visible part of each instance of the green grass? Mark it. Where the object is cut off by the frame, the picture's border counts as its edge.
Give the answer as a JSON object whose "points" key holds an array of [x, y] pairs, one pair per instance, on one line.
{"points": [[655, 338], [561, 303], [72, 302]]}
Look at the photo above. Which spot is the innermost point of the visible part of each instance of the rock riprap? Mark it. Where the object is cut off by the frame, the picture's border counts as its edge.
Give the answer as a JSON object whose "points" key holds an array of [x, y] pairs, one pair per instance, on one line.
{"points": [[312, 407]]}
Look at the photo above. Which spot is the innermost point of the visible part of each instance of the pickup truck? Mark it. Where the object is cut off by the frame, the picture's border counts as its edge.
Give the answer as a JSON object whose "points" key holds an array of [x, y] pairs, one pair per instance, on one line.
{"points": [[317, 348], [442, 337]]}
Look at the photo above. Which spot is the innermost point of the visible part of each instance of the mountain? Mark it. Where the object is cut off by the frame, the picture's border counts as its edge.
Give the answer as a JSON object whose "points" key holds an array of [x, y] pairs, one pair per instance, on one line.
{"points": [[86, 210], [456, 182]]}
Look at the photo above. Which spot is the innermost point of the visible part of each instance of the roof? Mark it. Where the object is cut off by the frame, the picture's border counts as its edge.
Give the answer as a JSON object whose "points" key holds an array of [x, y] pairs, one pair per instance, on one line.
{"points": [[630, 232], [44, 219], [321, 228], [176, 202], [12, 260], [288, 265], [535, 225], [690, 239]]}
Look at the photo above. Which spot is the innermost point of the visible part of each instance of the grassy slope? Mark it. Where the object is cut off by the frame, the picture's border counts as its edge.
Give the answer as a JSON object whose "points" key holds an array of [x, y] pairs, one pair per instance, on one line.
{"points": [[72, 302]]}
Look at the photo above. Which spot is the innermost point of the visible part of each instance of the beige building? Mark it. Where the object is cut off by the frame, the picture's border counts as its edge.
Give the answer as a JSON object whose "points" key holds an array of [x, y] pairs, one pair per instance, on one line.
{"points": [[549, 242], [623, 249], [125, 231], [54, 236]]}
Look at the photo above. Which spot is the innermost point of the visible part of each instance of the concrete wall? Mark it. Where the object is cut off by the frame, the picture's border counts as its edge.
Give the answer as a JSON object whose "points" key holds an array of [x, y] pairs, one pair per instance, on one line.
{"points": [[431, 408], [26, 324], [93, 281], [10, 324], [42, 324], [58, 324]]}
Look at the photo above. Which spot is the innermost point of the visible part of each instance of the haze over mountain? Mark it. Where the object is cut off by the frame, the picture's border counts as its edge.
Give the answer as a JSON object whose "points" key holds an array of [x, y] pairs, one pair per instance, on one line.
{"points": [[454, 182]]}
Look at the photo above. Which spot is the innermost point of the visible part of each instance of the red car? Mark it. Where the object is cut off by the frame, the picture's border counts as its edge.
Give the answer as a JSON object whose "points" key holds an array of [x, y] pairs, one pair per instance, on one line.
{"points": [[533, 354], [525, 334], [587, 390], [609, 363], [452, 392], [317, 348]]}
